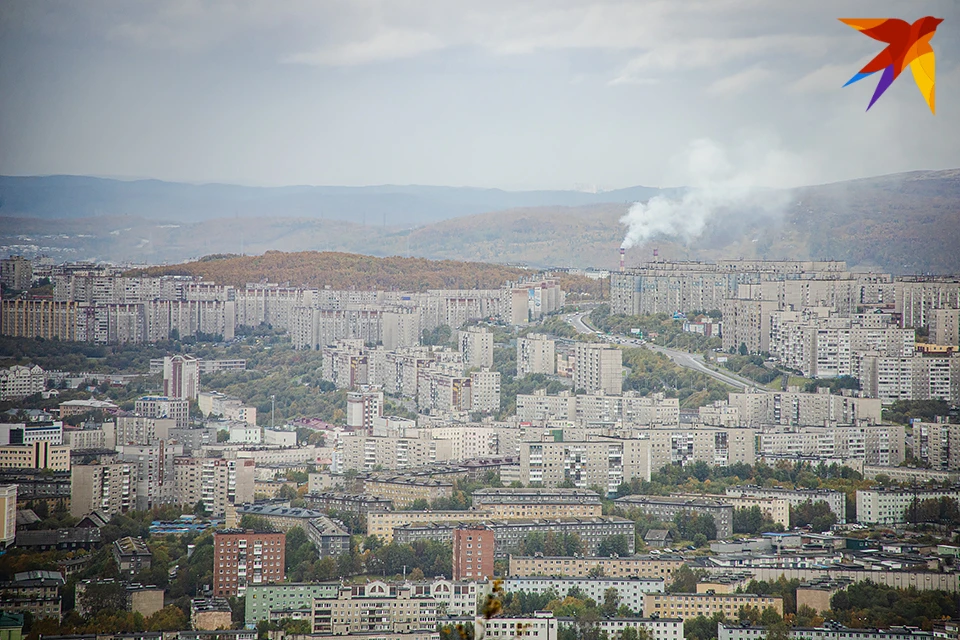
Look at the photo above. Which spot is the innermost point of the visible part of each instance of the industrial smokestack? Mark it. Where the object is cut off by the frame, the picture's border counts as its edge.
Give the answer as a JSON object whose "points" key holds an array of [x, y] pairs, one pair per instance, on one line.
{"points": [[622, 252], [656, 252]]}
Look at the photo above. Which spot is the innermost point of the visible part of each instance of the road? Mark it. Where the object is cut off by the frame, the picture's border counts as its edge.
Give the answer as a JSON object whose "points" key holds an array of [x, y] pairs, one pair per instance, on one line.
{"points": [[680, 358]]}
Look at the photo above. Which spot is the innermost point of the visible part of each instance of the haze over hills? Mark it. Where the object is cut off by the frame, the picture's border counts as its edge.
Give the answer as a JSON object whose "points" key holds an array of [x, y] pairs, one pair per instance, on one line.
{"points": [[903, 223]]}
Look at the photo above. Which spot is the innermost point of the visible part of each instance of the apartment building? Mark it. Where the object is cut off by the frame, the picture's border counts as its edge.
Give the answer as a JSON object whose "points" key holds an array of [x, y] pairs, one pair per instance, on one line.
{"points": [[511, 503], [536, 353], [90, 436], [382, 523], [945, 327], [216, 482], [16, 272], [795, 408], [403, 491], [49, 431], [243, 558], [716, 446], [439, 392], [691, 605], [346, 502], [836, 500], [541, 625], [892, 506], [485, 391], [28, 318], [364, 407], [176, 409], [156, 477], [510, 534], [666, 508], [655, 628], [294, 601], [473, 549], [599, 368], [916, 298], [133, 429], [8, 514], [660, 567], [329, 537], [937, 443], [131, 555], [20, 381], [774, 509], [107, 487], [730, 631], [630, 408], [747, 322], [41, 454], [918, 377], [476, 345], [367, 452], [375, 606], [876, 444], [181, 377], [630, 591], [214, 403], [604, 462], [468, 442], [33, 592]]}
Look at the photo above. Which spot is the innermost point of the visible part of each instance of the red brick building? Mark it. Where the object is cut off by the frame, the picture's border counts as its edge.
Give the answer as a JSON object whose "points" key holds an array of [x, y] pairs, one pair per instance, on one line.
{"points": [[472, 553], [242, 558]]}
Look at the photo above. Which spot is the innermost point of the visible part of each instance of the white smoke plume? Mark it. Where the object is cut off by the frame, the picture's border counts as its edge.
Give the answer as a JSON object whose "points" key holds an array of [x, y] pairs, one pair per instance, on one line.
{"points": [[721, 183]]}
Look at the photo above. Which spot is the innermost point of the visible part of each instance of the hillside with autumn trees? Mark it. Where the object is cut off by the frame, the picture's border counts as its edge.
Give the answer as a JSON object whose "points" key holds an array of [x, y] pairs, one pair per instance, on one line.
{"points": [[336, 270]]}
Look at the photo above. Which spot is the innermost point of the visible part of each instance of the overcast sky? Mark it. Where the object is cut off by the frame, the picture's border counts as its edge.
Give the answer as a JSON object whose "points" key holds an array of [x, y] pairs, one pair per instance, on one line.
{"points": [[498, 93]]}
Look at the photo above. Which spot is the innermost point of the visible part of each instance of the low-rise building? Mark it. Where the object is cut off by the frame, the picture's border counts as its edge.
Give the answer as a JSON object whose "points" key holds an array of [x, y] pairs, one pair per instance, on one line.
{"points": [[541, 625], [382, 523], [59, 539], [329, 537], [292, 601], [210, 613], [836, 500], [630, 591], [333, 501], [666, 508], [730, 631], [620, 567], [33, 592], [656, 628], [510, 534], [691, 605], [281, 517], [131, 555], [403, 491], [512, 503], [891, 506], [375, 605]]}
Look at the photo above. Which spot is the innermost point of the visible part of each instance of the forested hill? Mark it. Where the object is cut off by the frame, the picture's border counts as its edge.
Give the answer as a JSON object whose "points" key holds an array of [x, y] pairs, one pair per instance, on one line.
{"points": [[353, 271]]}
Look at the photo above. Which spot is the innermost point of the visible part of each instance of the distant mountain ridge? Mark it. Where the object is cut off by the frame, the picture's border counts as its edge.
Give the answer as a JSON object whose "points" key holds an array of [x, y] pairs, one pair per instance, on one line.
{"points": [[81, 197], [901, 223]]}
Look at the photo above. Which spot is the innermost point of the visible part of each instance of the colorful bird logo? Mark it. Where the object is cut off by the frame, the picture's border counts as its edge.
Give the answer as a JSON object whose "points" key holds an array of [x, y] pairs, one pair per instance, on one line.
{"points": [[907, 44]]}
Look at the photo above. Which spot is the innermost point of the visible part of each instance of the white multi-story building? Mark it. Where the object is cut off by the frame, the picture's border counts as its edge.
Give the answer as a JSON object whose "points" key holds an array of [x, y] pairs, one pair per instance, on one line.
{"points": [[215, 482], [836, 500], [177, 409], [604, 462], [541, 625], [599, 368], [476, 345], [155, 471], [8, 514], [364, 408], [138, 429], [795, 408], [890, 506], [181, 377], [536, 353], [110, 488], [630, 591], [875, 444], [485, 391], [20, 381]]}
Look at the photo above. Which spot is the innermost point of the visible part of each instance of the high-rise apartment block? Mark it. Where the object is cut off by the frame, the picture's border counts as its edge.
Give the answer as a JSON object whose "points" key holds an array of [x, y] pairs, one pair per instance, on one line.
{"points": [[242, 558], [216, 482], [107, 487], [485, 391], [364, 408], [181, 377], [473, 553], [16, 272], [536, 353], [599, 368], [605, 463], [945, 327], [476, 345]]}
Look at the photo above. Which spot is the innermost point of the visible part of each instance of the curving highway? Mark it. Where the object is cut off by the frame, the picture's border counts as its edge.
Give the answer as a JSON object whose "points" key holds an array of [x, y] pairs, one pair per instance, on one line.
{"points": [[681, 358]]}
